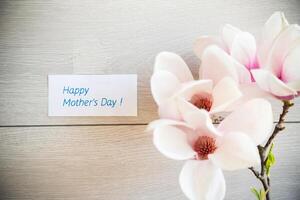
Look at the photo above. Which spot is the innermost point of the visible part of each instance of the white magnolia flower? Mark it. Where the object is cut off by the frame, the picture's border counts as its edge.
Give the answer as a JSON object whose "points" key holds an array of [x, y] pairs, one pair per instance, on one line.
{"points": [[209, 150], [273, 63], [173, 80]]}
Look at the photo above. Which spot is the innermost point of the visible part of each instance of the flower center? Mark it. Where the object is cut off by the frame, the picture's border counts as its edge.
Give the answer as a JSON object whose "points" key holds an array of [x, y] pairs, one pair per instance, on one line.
{"points": [[202, 101], [204, 146]]}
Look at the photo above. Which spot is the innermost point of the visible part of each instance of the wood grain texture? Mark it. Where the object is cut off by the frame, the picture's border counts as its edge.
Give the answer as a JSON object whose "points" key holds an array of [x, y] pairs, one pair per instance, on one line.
{"points": [[117, 162], [59, 157], [38, 38]]}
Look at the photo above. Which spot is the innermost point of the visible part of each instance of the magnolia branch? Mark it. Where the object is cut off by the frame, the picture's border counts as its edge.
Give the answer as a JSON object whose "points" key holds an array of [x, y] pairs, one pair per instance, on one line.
{"points": [[264, 150]]}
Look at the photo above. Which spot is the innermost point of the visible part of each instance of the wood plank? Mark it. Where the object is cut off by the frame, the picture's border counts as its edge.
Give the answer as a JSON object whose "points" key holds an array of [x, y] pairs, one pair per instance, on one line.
{"points": [[117, 162], [38, 38]]}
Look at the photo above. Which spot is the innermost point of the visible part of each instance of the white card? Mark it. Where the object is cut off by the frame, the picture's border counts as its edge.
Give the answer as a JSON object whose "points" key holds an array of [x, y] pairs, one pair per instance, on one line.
{"points": [[92, 95]]}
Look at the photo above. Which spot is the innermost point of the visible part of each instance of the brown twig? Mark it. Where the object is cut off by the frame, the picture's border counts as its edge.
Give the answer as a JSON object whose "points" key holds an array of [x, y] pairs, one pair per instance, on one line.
{"points": [[280, 124], [262, 179], [264, 150]]}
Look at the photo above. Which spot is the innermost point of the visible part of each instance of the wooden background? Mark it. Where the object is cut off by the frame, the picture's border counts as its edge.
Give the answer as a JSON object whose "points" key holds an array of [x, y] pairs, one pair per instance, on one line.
{"points": [[111, 158]]}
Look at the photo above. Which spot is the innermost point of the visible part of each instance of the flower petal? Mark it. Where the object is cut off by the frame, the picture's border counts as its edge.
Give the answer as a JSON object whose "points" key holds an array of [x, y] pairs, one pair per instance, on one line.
{"points": [[187, 129], [286, 41], [236, 151], [173, 143], [166, 122], [244, 49], [185, 106], [201, 180], [229, 33], [225, 93], [205, 41], [217, 64], [254, 118], [249, 91], [272, 28], [270, 83], [295, 85], [188, 90], [173, 63], [169, 109], [291, 65], [163, 86], [199, 119]]}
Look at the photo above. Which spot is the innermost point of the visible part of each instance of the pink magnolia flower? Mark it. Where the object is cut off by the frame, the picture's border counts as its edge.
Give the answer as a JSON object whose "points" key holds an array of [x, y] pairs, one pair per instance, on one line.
{"points": [[273, 63], [175, 91], [209, 150]]}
